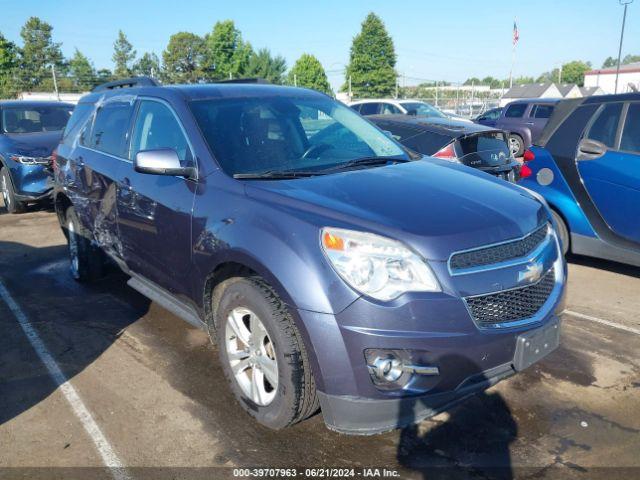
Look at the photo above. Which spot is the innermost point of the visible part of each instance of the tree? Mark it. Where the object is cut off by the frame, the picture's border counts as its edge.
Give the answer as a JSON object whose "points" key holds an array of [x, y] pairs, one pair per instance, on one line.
{"points": [[372, 61], [308, 72], [630, 59], [551, 76], [573, 72], [104, 75], [82, 72], [609, 62], [39, 53], [472, 81], [148, 65], [263, 65], [123, 56], [226, 54], [8, 66], [183, 58]]}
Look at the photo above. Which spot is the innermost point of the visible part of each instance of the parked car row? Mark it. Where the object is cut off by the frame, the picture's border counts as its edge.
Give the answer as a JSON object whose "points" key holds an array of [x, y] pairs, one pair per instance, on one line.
{"points": [[336, 267]]}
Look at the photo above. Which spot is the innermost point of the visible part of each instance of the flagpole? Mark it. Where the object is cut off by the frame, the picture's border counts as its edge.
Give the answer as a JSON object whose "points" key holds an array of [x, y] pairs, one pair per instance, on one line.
{"points": [[514, 41]]}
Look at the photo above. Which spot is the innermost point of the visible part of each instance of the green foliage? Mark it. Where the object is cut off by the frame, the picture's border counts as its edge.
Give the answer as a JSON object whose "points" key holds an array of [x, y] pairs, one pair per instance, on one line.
{"points": [[473, 81], [8, 66], [83, 75], [226, 54], [123, 56], [372, 61], [38, 54], [308, 72], [630, 59], [611, 62], [148, 65], [183, 58], [573, 72], [104, 75], [263, 65]]}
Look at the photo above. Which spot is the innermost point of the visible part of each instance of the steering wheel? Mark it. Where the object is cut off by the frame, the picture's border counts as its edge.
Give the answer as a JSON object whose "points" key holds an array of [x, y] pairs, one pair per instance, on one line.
{"points": [[318, 149]]}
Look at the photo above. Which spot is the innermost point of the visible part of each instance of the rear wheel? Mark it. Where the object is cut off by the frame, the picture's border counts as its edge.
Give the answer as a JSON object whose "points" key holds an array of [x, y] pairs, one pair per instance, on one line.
{"points": [[85, 259], [262, 354], [563, 232], [8, 194], [516, 145]]}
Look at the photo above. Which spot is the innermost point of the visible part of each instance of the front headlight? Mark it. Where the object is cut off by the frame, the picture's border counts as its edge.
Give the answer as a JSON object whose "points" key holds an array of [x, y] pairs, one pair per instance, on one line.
{"points": [[376, 266], [26, 160]]}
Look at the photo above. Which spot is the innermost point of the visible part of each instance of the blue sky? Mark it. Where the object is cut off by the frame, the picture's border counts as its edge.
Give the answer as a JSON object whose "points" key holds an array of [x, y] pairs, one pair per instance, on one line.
{"points": [[441, 40]]}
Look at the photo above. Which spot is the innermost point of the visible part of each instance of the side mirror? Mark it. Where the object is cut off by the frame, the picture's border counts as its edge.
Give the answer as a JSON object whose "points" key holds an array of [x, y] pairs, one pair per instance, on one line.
{"points": [[412, 111], [162, 161], [590, 149]]}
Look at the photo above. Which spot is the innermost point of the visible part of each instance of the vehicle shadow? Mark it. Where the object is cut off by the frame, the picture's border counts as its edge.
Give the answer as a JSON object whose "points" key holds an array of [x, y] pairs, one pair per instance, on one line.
{"points": [[471, 439], [76, 323], [600, 264]]}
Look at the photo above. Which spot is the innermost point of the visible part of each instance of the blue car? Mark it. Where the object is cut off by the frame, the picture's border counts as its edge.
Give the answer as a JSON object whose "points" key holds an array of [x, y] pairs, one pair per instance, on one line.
{"points": [[587, 167], [29, 132], [334, 269]]}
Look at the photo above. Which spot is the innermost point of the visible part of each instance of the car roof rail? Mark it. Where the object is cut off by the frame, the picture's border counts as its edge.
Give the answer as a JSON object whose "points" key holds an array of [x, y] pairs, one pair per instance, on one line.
{"points": [[244, 80], [128, 83]]}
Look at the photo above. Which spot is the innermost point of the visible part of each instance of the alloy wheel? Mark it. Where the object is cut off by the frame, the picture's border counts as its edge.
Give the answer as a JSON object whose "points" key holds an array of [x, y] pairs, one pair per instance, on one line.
{"points": [[252, 356], [73, 249], [5, 192], [514, 143]]}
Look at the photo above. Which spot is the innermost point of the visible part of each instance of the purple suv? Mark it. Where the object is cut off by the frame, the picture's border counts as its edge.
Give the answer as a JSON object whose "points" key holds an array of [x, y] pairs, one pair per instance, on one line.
{"points": [[524, 120], [335, 270]]}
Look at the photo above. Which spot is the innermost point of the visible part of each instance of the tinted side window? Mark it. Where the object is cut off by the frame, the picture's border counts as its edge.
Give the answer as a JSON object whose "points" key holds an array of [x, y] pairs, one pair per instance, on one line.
{"points": [[543, 111], [356, 107], [492, 114], [605, 126], [515, 111], [631, 133], [155, 128], [417, 139], [110, 128], [369, 108], [389, 109], [78, 119]]}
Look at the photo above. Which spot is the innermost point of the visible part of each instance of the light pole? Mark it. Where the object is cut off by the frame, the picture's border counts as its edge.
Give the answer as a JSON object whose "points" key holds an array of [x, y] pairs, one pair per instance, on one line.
{"points": [[624, 19]]}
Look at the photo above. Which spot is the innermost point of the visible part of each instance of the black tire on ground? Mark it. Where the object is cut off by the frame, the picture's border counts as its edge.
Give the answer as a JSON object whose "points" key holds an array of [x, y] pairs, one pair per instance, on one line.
{"points": [[516, 140], [8, 193], [295, 396], [86, 260], [563, 232]]}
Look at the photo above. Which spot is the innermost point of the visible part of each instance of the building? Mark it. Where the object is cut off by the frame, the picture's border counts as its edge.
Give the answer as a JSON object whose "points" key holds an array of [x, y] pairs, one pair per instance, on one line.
{"points": [[51, 96], [589, 91], [569, 90], [530, 90], [628, 80]]}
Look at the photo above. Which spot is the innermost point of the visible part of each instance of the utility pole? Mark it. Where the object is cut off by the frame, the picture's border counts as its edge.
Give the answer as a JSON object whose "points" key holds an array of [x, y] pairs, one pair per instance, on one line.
{"points": [[55, 82], [295, 80], [350, 93], [560, 73], [396, 97], [624, 19], [436, 93]]}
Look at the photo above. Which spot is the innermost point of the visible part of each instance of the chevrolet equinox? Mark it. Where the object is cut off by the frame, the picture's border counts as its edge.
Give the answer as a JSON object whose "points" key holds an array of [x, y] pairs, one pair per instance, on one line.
{"points": [[334, 270]]}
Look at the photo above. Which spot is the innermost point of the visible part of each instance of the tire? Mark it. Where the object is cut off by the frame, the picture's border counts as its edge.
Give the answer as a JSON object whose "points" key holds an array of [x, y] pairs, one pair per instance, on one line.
{"points": [[516, 145], [85, 260], [563, 232], [245, 302], [8, 193]]}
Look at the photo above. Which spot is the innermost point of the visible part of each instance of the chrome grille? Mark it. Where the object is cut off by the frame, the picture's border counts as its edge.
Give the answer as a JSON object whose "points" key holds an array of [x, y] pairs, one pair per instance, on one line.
{"points": [[499, 253], [511, 305]]}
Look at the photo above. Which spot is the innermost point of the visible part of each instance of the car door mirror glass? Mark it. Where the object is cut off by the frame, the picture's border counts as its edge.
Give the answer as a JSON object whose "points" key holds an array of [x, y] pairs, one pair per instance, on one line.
{"points": [[164, 161]]}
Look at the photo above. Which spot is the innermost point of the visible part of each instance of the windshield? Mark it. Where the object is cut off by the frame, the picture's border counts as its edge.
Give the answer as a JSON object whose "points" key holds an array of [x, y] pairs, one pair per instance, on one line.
{"points": [[254, 135], [423, 109], [34, 119]]}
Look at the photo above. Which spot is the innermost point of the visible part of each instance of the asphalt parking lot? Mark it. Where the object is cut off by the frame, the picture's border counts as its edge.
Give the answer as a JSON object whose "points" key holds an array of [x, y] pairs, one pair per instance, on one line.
{"points": [[153, 387]]}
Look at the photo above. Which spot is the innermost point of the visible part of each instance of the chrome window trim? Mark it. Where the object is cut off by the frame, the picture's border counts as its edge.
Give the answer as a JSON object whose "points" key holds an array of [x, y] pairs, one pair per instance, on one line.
{"points": [[504, 264]]}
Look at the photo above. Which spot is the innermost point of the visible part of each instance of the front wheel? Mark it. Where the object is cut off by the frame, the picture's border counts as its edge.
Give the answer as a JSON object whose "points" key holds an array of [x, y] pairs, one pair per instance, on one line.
{"points": [[85, 259], [563, 232], [262, 354], [8, 194]]}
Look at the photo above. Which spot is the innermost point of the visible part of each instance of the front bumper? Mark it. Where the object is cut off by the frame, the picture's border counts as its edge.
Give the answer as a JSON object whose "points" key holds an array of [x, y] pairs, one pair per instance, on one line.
{"points": [[31, 183]]}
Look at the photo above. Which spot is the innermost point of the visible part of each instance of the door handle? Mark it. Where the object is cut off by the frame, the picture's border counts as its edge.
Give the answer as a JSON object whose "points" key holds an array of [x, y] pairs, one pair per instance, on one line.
{"points": [[590, 149], [528, 123]]}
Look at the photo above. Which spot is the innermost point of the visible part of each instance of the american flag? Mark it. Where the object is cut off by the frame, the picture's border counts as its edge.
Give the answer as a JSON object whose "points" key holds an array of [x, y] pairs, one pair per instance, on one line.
{"points": [[516, 35]]}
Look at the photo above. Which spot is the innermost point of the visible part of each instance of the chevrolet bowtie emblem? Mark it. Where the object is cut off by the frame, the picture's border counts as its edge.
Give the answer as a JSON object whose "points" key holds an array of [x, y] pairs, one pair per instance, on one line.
{"points": [[531, 274]]}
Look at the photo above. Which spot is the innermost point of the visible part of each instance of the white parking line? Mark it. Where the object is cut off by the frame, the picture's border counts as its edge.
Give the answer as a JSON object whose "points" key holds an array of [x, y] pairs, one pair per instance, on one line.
{"points": [[603, 322], [109, 457]]}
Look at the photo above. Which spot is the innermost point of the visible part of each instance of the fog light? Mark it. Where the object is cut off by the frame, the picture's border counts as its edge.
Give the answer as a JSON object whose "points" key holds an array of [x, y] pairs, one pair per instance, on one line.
{"points": [[388, 369]]}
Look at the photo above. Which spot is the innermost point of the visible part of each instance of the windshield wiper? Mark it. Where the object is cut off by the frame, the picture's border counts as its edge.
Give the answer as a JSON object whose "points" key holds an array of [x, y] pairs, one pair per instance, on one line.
{"points": [[275, 174], [365, 161]]}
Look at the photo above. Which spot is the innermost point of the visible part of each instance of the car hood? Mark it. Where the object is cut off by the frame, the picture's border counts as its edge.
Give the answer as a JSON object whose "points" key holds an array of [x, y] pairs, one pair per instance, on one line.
{"points": [[435, 206], [31, 144]]}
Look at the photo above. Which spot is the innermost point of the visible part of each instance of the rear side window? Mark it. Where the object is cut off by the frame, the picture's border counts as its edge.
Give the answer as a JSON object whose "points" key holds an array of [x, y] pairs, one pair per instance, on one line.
{"points": [[369, 108], [631, 134], [156, 128], [605, 126], [80, 115], [483, 142], [110, 128], [542, 111], [417, 139], [515, 111], [388, 109]]}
